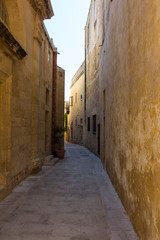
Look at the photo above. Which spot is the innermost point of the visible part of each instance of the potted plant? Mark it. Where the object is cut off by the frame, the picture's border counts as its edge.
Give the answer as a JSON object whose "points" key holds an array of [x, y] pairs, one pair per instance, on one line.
{"points": [[59, 141]]}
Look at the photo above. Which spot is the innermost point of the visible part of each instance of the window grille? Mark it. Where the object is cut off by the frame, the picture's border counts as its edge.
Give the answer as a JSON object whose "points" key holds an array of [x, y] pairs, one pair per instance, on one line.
{"points": [[3, 13]]}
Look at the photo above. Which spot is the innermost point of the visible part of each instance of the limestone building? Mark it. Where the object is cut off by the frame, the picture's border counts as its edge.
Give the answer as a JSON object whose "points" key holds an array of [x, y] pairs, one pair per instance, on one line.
{"points": [[27, 77], [76, 114], [122, 103], [93, 43], [60, 101]]}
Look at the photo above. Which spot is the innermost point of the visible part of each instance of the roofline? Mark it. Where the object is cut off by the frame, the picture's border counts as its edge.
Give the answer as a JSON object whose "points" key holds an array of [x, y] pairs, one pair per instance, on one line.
{"points": [[49, 7], [49, 39], [78, 74]]}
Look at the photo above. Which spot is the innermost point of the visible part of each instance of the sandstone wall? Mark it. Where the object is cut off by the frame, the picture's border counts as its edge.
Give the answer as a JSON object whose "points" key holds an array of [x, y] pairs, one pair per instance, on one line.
{"points": [[122, 89], [25, 91], [130, 77], [76, 115], [60, 83], [93, 44]]}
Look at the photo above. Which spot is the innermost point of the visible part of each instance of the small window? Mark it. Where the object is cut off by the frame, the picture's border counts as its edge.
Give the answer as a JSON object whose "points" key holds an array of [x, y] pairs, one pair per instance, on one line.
{"points": [[76, 98], [47, 96], [71, 101], [81, 121], [60, 74], [81, 97], [49, 57], [88, 124], [94, 124]]}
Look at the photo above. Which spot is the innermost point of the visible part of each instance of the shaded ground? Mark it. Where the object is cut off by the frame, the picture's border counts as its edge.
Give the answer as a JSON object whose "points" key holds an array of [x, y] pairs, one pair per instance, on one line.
{"points": [[73, 200]]}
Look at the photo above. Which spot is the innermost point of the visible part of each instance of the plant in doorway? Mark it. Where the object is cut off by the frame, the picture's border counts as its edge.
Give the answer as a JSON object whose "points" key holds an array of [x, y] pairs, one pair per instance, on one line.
{"points": [[59, 141]]}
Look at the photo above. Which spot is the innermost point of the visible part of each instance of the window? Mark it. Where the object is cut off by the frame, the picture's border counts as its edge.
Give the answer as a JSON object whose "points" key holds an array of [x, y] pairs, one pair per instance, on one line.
{"points": [[47, 96], [60, 74], [76, 98], [94, 124], [88, 124], [3, 13], [71, 101], [81, 121], [49, 57], [81, 97]]}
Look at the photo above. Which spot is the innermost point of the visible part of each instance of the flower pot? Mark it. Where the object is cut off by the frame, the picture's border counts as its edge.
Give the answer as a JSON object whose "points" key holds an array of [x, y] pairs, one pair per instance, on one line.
{"points": [[60, 153]]}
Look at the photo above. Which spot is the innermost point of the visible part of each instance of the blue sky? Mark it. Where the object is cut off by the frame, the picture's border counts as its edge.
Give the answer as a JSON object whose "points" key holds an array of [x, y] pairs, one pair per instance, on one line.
{"points": [[67, 30]]}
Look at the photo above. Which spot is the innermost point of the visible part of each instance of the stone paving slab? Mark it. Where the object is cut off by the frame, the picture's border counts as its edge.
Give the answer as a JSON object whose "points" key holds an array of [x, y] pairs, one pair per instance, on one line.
{"points": [[72, 200]]}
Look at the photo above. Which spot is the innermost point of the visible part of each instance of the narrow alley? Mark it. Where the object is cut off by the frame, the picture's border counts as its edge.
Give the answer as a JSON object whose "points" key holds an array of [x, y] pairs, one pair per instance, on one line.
{"points": [[72, 200]]}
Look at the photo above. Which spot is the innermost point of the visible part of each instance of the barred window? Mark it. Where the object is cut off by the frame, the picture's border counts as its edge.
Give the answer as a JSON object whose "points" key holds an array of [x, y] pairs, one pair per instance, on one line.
{"points": [[3, 13]]}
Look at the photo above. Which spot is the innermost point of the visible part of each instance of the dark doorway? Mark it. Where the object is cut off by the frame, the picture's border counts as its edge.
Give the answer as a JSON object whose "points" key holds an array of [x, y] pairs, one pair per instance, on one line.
{"points": [[46, 131], [99, 139]]}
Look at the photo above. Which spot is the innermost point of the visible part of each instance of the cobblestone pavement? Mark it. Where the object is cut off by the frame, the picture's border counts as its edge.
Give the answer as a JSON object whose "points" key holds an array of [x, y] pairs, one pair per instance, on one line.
{"points": [[73, 200]]}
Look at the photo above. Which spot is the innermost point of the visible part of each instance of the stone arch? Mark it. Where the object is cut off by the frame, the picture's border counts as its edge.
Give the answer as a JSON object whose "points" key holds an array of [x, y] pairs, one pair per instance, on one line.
{"points": [[15, 11]]}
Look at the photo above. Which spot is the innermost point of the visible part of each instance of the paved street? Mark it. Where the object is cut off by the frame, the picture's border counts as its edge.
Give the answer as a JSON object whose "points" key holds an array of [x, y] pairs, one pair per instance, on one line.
{"points": [[73, 200]]}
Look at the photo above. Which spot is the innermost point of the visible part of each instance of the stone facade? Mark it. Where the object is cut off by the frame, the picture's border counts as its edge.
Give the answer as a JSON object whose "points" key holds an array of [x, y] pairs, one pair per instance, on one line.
{"points": [[76, 114], [130, 86], [60, 101], [26, 76], [122, 93], [93, 45]]}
